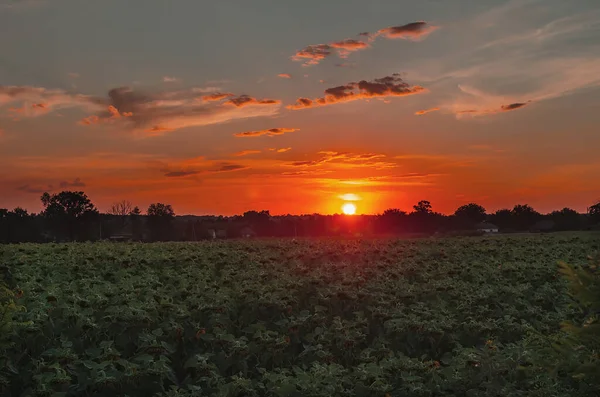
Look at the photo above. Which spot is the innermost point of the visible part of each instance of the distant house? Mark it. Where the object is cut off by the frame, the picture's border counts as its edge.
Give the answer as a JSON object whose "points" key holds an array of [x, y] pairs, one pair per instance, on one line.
{"points": [[487, 227], [121, 237], [211, 234]]}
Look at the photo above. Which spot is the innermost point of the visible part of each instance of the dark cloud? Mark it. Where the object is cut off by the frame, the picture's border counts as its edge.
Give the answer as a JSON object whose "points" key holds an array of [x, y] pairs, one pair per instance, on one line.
{"points": [[245, 100], [269, 132], [29, 189], [230, 167], [171, 110], [412, 31], [315, 53], [217, 96], [178, 174], [513, 106], [76, 183], [383, 87]]}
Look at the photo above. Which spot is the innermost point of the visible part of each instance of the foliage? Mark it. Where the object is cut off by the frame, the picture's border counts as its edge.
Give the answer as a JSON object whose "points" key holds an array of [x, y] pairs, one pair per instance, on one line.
{"points": [[471, 213], [582, 342], [319, 317]]}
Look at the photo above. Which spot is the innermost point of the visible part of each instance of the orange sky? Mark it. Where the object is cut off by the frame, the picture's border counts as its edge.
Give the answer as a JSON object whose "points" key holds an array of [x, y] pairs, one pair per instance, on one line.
{"points": [[495, 105]]}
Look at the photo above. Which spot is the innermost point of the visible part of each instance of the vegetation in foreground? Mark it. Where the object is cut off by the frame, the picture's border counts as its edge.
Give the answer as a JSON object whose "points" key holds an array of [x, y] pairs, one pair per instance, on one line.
{"points": [[471, 316]]}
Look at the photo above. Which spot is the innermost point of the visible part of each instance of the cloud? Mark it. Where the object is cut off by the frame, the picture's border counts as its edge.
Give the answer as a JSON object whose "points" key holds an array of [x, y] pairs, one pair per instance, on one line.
{"points": [[246, 153], [179, 174], [73, 75], [512, 106], [217, 96], [245, 100], [425, 111], [313, 54], [283, 150], [36, 101], [169, 79], [179, 109], [503, 108], [269, 132], [158, 130], [383, 87], [230, 167], [343, 157], [76, 183], [139, 110], [284, 75], [29, 189], [410, 31]]}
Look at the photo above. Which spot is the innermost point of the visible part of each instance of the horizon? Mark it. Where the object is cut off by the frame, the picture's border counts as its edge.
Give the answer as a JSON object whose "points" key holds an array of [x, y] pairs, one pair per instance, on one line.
{"points": [[404, 101]]}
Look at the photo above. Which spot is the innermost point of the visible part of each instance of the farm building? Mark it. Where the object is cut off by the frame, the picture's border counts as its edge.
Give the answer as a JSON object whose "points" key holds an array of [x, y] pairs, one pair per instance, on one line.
{"points": [[487, 227]]}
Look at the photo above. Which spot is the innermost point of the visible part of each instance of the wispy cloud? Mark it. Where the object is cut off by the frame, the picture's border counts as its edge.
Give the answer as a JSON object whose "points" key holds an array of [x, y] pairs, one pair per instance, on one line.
{"points": [[425, 111], [388, 86], [170, 79], [76, 183], [246, 153], [269, 132], [284, 75]]}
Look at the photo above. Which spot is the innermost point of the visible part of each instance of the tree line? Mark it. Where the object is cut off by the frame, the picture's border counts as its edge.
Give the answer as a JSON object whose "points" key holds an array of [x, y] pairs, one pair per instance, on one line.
{"points": [[71, 216]]}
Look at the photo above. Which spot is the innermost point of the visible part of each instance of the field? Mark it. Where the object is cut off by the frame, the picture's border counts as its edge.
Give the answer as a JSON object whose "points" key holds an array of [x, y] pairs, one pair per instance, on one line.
{"points": [[427, 317]]}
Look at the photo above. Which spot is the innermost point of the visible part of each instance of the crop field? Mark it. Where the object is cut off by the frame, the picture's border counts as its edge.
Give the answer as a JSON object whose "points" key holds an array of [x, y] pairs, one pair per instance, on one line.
{"points": [[427, 317]]}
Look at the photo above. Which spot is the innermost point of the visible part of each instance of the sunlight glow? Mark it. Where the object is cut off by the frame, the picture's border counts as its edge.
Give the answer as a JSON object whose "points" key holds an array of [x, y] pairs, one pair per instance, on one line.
{"points": [[349, 209]]}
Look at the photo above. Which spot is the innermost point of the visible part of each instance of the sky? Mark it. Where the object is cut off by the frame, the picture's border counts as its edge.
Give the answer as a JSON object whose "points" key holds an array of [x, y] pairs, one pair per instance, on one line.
{"points": [[220, 107]]}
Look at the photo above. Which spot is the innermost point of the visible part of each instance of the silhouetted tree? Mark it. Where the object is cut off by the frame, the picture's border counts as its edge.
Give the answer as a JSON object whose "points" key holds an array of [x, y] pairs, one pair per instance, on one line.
{"points": [[69, 213], [259, 221], [503, 219], [393, 220], [470, 214], [121, 208], [524, 216], [423, 207], [136, 223], [566, 219], [594, 213], [160, 221]]}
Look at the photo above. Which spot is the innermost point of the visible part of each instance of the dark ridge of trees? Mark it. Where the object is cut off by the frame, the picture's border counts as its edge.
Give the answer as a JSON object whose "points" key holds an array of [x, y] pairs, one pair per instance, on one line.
{"points": [[71, 216]]}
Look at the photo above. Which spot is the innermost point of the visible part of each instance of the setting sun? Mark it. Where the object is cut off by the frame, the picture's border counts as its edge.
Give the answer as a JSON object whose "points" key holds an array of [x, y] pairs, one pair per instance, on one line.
{"points": [[349, 209]]}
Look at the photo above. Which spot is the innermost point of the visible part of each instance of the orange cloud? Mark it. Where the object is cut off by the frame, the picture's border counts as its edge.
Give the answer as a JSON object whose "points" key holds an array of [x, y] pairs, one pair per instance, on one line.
{"points": [[345, 47], [168, 109], [245, 100], [383, 87], [284, 75], [217, 96], [283, 150], [425, 111], [246, 152], [411, 31], [269, 132], [313, 54], [503, 108], [345, 157]]}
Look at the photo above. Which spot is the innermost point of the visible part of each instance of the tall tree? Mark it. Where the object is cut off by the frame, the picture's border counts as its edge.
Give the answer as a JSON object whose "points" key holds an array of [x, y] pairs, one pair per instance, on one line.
{"points": [[160, 221], [594, 213], [121, 208], [68, 212], [524, 216], [470, 214], [423, 207]]}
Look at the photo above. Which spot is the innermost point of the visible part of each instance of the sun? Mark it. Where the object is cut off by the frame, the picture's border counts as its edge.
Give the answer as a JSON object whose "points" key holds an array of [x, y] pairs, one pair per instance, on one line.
{"points": [[349, 209]]}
